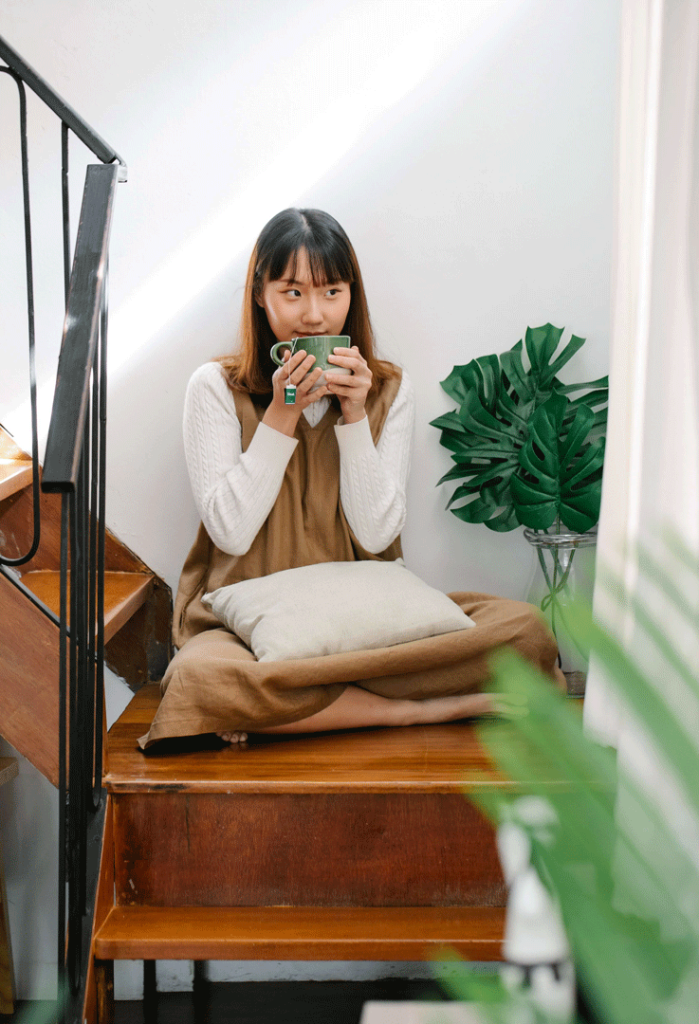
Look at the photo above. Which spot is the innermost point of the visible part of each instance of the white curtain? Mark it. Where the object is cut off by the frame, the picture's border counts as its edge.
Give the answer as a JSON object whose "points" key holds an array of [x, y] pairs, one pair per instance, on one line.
{"points": [[651, 479]]}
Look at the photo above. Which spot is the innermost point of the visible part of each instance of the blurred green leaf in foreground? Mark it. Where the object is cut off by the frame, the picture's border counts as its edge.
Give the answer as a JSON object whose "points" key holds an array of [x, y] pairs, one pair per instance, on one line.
{"points": [[617, 845]]}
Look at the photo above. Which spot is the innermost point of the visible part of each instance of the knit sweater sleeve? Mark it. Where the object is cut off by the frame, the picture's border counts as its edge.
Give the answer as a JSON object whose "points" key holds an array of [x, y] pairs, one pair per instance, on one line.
{"points": [[373, 479], [234, 491]]}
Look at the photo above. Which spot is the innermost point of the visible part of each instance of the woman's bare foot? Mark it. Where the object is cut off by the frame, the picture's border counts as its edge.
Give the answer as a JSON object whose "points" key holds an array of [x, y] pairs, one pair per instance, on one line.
{"points": [[233, 737], [448, 709]]}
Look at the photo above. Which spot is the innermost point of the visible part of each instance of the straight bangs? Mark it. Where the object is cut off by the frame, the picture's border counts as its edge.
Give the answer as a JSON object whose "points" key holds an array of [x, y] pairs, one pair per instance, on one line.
{"points": [[329, 257]]}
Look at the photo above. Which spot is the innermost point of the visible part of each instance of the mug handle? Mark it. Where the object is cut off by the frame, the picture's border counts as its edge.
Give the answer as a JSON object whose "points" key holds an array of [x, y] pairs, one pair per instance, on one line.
{"points": [[275, 347]]}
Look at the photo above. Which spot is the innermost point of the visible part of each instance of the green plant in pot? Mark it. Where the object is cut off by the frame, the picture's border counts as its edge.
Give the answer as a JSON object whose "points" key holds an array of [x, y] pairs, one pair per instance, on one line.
{"points": [[529, 450]]}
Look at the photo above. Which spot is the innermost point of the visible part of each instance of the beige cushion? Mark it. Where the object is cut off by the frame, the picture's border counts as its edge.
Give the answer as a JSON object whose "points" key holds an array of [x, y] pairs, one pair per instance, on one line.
{"points": [[332, 608]]}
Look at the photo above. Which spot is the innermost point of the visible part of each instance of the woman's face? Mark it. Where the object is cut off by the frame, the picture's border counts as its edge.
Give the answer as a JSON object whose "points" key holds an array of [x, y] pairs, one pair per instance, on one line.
{"points": [[296, 308]]}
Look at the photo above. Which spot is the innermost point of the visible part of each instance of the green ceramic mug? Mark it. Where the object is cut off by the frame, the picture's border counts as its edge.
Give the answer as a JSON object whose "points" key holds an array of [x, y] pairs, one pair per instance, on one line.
{"points": [[320, 346]]}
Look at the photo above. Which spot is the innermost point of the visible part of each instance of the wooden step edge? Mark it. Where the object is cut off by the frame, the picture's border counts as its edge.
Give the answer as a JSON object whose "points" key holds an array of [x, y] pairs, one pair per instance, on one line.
{"points": [[122, 784], [124, 594], [15, 475], [299, 933]]}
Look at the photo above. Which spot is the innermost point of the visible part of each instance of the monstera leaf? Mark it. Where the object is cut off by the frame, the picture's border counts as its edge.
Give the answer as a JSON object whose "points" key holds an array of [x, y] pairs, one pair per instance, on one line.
{"points": [[498, 397], [541, 379], [560, 475], [485, 436]]}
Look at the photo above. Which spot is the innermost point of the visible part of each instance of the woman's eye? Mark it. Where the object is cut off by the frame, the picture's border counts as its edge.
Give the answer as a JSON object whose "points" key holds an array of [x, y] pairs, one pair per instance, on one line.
{"points": [[294, 293], [332, 292]]}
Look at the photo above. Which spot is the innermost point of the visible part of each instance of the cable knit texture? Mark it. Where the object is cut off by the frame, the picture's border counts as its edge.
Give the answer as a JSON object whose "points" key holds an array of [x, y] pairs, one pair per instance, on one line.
{"points": [[234, 491]]}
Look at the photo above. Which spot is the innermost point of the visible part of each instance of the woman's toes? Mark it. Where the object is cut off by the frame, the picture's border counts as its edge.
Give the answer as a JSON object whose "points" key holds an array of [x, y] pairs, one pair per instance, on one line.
{"points": [[233, 737]]}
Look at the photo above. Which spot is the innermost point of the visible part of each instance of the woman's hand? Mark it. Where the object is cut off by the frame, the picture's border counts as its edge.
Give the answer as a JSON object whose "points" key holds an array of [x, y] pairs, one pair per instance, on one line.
{"points": [[351, 391], [283, 417]]}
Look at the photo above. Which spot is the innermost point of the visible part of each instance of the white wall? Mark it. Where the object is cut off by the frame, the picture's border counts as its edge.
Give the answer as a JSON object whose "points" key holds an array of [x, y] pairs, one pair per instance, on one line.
{"points": [[465, 145]]}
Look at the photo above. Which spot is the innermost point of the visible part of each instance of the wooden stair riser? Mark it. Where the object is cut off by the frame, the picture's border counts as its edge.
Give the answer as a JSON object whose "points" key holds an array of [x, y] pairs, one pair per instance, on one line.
{"points": [[30, 647], [30, 681], [363, 849], [141, 650]]}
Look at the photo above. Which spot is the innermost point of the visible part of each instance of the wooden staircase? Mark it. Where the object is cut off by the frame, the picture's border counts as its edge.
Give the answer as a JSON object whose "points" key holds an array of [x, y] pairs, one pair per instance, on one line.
{"points": [[346, 846], [137, 616]]}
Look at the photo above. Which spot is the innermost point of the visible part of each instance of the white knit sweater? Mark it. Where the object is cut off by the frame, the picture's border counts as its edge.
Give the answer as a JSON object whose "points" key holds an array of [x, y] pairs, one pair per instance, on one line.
{"points": [[234, 491]]}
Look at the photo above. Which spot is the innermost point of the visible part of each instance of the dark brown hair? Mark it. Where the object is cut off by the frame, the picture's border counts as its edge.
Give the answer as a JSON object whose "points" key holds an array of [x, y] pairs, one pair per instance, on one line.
{"points": [[331, 259]]}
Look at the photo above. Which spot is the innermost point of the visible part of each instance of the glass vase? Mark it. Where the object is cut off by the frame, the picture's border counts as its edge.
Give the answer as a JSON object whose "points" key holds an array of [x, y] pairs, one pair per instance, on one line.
{"points": [[564, 571]]}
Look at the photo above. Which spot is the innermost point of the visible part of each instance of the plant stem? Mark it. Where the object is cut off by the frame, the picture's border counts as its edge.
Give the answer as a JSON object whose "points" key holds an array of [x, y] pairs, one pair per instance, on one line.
{"points": [[557, 586]]}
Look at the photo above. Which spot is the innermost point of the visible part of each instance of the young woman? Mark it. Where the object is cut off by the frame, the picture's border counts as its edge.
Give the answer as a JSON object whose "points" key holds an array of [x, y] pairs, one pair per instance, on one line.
{"points": [[279, 486]]}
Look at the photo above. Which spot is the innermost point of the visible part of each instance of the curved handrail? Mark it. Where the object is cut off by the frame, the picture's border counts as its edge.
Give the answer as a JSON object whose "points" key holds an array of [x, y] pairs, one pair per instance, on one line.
{"points": [[106, 153]]}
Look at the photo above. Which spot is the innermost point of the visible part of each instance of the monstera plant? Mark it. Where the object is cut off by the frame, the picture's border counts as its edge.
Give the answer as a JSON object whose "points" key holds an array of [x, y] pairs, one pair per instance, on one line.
{"points": [[530, 454], [527, 453]]}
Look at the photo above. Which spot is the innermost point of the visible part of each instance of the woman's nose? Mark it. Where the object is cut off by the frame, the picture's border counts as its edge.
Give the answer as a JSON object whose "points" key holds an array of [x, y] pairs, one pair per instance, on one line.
{"points": [[312, 314]]}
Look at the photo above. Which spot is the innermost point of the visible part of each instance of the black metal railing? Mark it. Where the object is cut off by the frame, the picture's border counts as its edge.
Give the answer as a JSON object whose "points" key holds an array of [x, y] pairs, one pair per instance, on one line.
{"points": [[74, 466]]}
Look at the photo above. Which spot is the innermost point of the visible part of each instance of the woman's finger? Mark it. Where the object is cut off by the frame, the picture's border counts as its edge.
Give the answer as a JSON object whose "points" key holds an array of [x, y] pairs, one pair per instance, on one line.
{"points": [[354, 363], [295, 369], [291, 362], [340, 381], [313, 396], [347, 391], [306, 383], [304, 367], [362, 378]]}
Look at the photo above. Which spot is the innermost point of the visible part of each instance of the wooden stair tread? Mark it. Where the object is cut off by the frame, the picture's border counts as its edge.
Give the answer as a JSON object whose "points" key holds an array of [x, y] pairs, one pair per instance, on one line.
{"points": [[290, 933], [124, 593], [15, 475], [426, 759]]}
